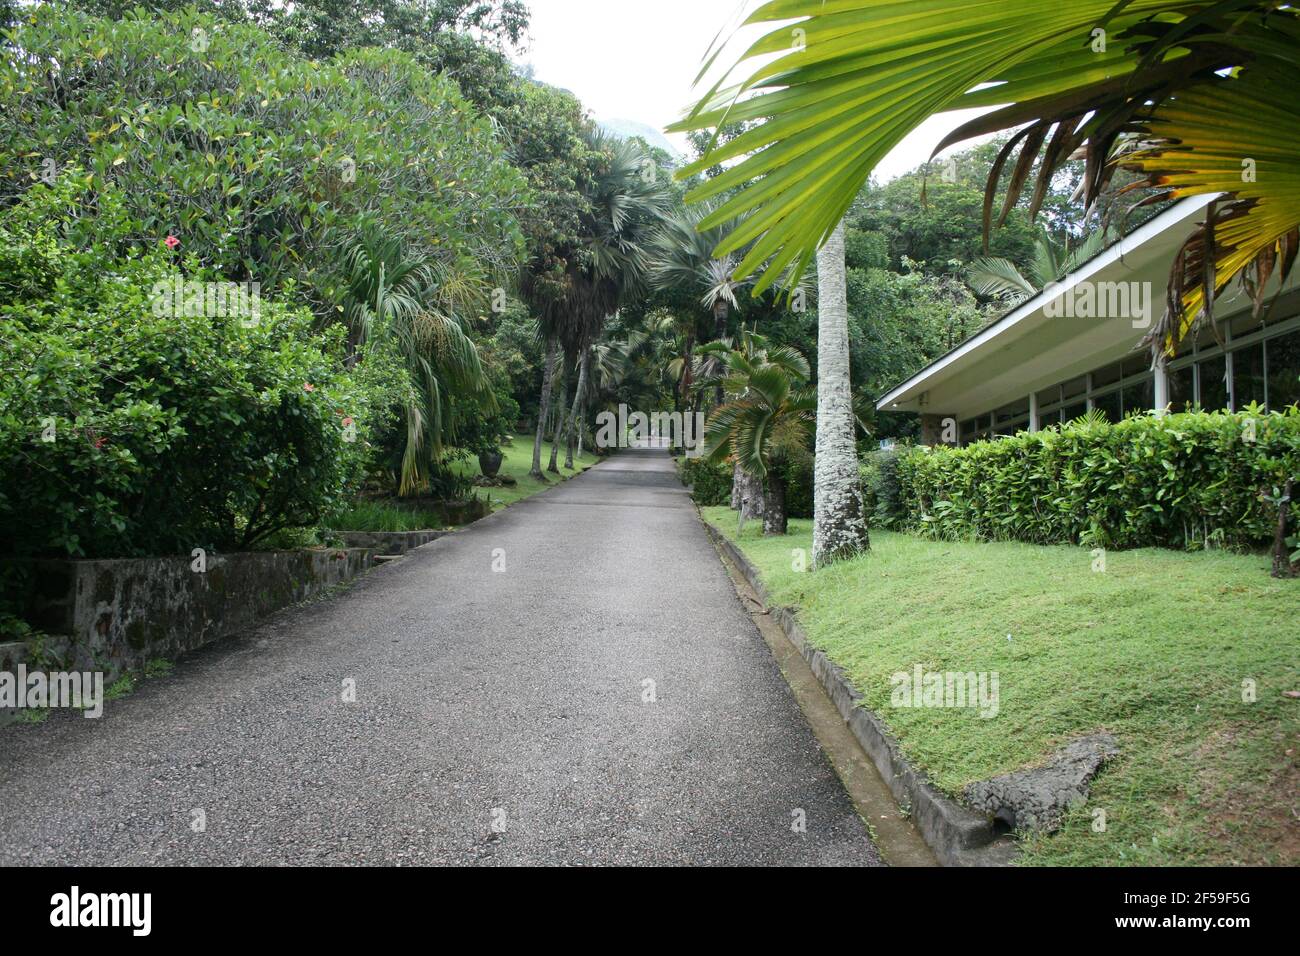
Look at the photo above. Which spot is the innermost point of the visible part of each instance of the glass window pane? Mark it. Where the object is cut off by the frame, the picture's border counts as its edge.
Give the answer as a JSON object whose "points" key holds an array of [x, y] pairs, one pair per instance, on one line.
{"points": [[1049, 396], [1248, 375], [1049, 419], [1283, 371], [1244, 324], [1181, 393], [1074, 387], [1214, 390], [1106, 376], [1071, 412], [1109, 404], [1014, 410], [1140, 396], [1136, 365], [1205, 339]]}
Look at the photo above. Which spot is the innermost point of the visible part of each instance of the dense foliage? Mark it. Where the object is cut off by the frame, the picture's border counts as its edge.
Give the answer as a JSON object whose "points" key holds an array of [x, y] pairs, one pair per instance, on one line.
{"points": [[260, 162], [1188, 480], [133, 425]]}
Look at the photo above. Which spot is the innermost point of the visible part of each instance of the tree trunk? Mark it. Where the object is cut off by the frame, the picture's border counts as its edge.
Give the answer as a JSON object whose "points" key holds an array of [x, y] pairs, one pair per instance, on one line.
{"points": [[1281, 553], [746, 492], [579, 399], [839, 525], [544, 411], [560, 419], [774, 516]]}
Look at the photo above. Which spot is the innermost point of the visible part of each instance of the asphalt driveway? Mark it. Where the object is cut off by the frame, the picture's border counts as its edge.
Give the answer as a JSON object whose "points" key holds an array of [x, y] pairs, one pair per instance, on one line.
{"points": [[571, 681]]}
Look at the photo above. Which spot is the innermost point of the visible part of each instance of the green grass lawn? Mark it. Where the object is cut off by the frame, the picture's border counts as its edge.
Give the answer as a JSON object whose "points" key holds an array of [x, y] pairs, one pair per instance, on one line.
{"points": [[1154, 650], [518, 459]]}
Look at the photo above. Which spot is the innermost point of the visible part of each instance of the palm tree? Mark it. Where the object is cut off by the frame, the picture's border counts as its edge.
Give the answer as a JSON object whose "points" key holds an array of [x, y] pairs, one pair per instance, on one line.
{"points": [[1196, 97], [627, 201], [682, 258], [1003, 280], [746, 489], [839, 523], [765, 420], [393, 299]]}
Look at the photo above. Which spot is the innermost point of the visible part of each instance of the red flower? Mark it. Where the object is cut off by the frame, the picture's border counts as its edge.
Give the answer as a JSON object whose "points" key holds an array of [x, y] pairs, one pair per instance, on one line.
{"points": [[308, 387], [346, 422], [100, 443], [172, 242]]}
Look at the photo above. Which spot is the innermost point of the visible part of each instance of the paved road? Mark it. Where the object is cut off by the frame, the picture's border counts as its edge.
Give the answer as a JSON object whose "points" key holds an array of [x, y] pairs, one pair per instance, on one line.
{"points": [[483, 697]]}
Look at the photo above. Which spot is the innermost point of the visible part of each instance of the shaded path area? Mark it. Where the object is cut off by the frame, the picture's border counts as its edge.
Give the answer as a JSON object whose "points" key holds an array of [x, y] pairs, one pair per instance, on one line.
{"points": [[501, 716]]}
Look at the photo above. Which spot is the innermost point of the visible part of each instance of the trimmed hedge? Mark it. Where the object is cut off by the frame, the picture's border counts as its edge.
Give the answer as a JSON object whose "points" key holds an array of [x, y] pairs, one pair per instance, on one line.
{"points": [[1187, 480]]}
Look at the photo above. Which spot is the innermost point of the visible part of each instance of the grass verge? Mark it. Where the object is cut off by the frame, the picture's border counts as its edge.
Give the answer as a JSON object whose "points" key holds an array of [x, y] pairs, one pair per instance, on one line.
{"points": [[1156, 649], [517, 459]]}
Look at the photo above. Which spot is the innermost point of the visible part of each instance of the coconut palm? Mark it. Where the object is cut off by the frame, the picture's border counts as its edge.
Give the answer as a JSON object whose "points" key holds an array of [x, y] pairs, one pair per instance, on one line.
{"points": [[839, 523], [1196, 97], [765, 419], [395, 299], [1003, 280]]}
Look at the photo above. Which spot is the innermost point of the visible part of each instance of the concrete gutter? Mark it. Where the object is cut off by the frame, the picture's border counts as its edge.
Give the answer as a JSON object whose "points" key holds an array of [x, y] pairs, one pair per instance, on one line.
{"points": [[957, 835]]}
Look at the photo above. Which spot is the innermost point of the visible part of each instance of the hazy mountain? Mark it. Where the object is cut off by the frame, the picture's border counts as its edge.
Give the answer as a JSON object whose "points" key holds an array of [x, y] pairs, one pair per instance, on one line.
{"points": [[629, 129]]}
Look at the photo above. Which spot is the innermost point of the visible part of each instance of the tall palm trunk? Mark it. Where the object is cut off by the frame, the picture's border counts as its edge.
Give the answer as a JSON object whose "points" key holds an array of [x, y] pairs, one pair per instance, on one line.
{"points": [[839, 525], [579, 400], [560, 418], [544, 411]]}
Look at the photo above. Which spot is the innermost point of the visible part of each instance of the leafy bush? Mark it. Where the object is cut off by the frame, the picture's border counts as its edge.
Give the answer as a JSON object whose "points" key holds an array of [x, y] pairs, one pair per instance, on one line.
{"points": [[260, 161], [881, 494], [128, 432], [1183, 481], [797, 470], [709, 484]]}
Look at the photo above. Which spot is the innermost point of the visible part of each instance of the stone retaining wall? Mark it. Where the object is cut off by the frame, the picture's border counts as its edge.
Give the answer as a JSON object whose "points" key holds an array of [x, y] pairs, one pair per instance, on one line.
{"points": [[116, 615]]}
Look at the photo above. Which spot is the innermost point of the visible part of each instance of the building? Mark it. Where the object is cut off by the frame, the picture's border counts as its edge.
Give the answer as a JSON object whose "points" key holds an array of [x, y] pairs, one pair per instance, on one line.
{"points": [[1075, 347]]}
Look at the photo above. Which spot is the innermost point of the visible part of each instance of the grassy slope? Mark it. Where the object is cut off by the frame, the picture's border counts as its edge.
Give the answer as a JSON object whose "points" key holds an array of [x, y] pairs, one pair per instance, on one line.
{"points": [[1154, 650], [516, 463]]}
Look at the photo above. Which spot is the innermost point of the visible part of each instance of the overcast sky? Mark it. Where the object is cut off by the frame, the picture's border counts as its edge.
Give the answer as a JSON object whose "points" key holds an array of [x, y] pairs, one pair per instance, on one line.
{"points": [[636, 59]]}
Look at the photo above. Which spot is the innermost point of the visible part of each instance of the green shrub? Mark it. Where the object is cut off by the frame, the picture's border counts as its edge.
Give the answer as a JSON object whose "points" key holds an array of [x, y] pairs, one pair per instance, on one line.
{"points": [[798, 473], [1183, 481], [259, 160], [709, 484], [128, 432], [881, 494]]}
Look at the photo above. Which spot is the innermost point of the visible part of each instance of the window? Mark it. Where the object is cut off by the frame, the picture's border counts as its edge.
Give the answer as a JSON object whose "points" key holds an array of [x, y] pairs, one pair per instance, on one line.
{"points": [[1136, 365], [1214, 390], [1139, 396], [1110, 405], [1182, 388], [1283, 371], [1013, 411], [1071, 412], [1108, 375], [1075, 387], [1248, 375]]}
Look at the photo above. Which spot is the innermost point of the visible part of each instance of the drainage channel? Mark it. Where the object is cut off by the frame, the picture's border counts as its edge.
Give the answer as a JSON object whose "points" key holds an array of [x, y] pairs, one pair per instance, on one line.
{"points": [[897, 839]]}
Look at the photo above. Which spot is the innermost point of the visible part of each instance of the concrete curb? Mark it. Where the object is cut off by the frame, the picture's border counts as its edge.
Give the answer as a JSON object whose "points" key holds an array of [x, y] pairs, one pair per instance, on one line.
{"points": [[957, 835]]}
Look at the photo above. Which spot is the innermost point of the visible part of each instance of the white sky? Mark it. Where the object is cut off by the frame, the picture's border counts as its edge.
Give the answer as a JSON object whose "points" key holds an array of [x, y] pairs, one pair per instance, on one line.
{"points": [[636, 59]]}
